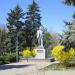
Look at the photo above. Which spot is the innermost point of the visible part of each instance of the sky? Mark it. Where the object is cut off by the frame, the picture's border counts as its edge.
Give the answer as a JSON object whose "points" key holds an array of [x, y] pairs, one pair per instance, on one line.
{"points": [[53, 12]]}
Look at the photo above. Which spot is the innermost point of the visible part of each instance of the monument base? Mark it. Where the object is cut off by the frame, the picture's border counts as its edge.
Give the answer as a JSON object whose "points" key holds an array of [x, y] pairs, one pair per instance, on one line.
{"points": [[40, 52]]}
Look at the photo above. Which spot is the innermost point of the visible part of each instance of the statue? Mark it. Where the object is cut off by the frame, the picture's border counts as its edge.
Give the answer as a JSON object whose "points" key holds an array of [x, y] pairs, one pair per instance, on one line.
{"points": [[40, 36], [40, 49]]}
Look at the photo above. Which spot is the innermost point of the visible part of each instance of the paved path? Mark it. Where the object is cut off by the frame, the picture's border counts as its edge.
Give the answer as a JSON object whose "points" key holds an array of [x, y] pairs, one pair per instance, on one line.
{"points": [[22, 68], [30, 68]]}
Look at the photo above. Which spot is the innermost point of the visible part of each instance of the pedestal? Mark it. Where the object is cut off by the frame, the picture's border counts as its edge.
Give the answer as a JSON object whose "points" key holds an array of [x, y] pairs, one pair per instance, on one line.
{"points": [[40, 52]]}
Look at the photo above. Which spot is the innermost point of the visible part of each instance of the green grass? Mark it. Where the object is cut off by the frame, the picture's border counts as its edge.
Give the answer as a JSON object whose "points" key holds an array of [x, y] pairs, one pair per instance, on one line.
{"points": [[59, 67]]}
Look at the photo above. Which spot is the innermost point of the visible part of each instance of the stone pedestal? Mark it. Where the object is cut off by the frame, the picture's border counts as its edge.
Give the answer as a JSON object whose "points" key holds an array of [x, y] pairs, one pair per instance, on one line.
{"points": [[40, 52]]}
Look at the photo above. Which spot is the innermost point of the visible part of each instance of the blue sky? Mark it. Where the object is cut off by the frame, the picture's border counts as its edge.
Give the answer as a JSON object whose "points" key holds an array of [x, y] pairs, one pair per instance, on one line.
{"points": [[53, 12]]}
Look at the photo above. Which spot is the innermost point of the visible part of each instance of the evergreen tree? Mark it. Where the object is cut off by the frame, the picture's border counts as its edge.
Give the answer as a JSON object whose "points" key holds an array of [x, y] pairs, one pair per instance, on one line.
{"points": [[14, 25], [69, 35], [32, 23]]}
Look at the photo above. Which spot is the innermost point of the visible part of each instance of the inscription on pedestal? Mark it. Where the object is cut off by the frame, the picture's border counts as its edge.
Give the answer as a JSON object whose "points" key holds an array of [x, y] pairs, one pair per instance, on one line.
{"points": [[40, 53]]}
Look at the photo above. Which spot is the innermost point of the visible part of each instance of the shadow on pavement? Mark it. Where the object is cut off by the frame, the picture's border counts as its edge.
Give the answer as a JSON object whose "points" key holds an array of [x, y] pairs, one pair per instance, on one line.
{"points": [[5, 67]]}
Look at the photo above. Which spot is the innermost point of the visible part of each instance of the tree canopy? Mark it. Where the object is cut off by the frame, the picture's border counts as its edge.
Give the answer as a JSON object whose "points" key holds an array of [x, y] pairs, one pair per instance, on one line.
{"points": [[69, 35], [69, 2], [32, 23], [14, 25]]}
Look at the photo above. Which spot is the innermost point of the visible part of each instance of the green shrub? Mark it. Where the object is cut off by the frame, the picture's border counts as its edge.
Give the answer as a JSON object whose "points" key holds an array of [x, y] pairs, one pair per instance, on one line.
{"points": [[1, 60], [13, 58], [7, 58]]}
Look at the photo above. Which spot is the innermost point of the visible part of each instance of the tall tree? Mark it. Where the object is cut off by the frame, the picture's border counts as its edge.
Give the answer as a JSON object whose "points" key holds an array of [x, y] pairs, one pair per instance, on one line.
{"points": [[14, 25], [69, 35], [32, 22]]}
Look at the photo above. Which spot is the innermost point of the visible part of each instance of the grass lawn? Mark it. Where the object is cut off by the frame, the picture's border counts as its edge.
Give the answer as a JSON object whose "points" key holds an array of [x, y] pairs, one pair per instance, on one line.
{"points": [[59, 67]]}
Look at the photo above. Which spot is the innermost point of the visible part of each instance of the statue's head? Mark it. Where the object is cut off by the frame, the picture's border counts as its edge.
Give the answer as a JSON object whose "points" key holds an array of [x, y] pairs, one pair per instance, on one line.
{"points": [[40, 28]]}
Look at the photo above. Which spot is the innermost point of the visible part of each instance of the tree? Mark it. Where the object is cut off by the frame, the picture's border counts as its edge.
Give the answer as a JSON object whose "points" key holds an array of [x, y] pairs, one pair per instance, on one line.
{"points": [[47, 42], [3, 34], [69, 35], [32, 23], [14, 25], [50, 40], [69, 2]]}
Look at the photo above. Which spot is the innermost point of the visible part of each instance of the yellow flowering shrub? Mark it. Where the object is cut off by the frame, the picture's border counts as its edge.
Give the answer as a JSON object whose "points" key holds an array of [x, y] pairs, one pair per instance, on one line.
{"points": [[33, 52], [26, 53], [61, 55]]}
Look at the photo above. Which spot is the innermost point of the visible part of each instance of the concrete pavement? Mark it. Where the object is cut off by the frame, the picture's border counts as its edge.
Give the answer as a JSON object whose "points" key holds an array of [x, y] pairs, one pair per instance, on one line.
{"points": [[30, 68], [22, 68]]}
